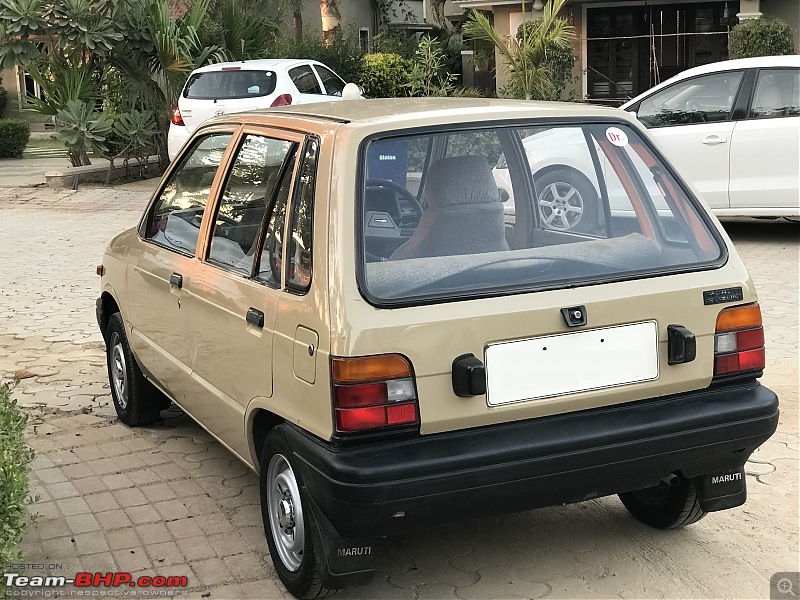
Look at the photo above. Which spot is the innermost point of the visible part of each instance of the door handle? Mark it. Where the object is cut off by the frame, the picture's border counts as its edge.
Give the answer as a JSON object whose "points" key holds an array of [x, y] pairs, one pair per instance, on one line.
{"points": [[714, 140], [176, 279], [255, 317]]}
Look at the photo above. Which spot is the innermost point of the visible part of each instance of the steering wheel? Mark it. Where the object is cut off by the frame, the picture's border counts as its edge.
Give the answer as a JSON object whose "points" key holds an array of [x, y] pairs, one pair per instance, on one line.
{"points": [[699, 114], [399, 189]]}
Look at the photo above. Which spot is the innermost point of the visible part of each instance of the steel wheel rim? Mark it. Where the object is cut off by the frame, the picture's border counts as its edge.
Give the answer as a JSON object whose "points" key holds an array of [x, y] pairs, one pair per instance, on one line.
{"points": [[285, 511], [119, 371], [561, 206]]}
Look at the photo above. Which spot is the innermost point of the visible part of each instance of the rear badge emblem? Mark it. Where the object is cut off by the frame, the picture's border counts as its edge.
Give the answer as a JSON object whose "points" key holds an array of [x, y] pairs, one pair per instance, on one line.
{"points": [[575, 316]]}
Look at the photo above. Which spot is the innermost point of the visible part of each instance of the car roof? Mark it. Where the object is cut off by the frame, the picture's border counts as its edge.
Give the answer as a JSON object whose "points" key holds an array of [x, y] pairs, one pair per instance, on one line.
{"points": [[791, 60], [256, 65], [405, 111]]}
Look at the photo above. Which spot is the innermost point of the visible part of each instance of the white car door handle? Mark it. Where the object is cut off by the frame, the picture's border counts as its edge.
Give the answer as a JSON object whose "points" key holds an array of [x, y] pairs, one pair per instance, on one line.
{"points": [[713, 140]]}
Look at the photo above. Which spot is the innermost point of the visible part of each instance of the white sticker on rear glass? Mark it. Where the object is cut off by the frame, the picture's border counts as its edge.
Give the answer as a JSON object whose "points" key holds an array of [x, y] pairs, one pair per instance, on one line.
{"points": [[616, 136]]}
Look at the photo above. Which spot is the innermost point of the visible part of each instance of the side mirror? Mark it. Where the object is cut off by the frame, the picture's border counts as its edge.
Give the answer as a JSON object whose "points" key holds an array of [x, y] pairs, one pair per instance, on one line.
{"points": [[352, 92]]}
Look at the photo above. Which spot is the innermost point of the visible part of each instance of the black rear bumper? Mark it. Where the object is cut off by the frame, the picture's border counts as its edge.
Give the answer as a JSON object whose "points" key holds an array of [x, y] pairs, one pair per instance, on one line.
{"points": [[391, 486]]}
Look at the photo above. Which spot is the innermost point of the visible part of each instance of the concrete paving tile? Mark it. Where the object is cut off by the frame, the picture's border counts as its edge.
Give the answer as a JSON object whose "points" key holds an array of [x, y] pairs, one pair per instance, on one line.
{"points": [[142, 514], [184, 528], [130, 497], [117, 481], [266, 589], [195, 548], [132, 559], [89, 485], [211, 571], [76, 471], [73, 506], [58, 549], [213, 523], [165, 554], [122, 539], [143, 476], [153, 533], [54, 475], [82, 523], [91, 543], [226, 544], [102, 562], [158, 492], [45, 510], [171, 510], [101, 502], [244, 566], [53, 528], [113, 519]]}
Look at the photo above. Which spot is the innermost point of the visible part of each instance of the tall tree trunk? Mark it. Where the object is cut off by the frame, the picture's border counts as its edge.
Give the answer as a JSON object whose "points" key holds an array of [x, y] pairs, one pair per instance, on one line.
{"points": [[298, 25], [331, 20]]}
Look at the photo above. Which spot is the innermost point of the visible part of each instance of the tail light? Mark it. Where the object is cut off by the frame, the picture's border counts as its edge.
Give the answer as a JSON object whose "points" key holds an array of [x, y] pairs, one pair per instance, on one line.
{"points": [[282, 100], [177, 118], [739, 341], [373, 392]]}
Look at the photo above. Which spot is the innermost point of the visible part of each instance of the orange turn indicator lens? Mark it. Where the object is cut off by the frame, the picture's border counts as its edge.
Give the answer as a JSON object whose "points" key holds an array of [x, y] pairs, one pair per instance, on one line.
{"points": [[363, 369], [739, 317]]}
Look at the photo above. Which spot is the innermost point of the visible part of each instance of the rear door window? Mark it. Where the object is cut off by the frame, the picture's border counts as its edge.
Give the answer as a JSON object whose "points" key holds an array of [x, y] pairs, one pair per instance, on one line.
{"points": [[227, 85], [305, 80], [249, 195], [777, 94]]}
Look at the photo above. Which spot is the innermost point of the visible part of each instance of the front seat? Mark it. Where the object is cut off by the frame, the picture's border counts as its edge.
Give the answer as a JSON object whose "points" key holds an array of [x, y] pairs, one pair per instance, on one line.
{"points": [[463, 213]]}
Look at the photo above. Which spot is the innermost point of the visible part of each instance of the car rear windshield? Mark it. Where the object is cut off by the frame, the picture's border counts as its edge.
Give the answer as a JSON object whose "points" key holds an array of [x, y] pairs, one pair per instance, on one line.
{"points": [[226, 85], [474, 212]]}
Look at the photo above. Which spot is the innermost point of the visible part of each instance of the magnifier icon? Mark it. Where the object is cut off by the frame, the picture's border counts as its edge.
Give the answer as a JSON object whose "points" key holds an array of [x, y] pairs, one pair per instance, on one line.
{"points": [[785, 586]]}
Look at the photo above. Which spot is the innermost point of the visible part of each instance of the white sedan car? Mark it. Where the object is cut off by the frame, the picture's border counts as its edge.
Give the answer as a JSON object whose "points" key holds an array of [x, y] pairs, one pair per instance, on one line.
{"points": [[733, 129], [225, 88]]}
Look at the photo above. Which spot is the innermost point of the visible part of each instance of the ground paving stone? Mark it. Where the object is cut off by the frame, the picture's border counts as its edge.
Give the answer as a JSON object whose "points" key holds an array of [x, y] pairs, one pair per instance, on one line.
{"points": [[201, 506]]}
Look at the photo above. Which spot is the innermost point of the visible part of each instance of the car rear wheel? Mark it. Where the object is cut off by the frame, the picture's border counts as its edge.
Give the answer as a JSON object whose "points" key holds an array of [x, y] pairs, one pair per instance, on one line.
{"points": [[567, 201], [665, 506], [287, 520], [136, 400]]}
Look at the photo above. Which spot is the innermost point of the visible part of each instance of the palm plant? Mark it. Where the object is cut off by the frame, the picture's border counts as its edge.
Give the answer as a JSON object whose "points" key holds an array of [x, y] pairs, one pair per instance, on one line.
{"points": [[526, 56]]}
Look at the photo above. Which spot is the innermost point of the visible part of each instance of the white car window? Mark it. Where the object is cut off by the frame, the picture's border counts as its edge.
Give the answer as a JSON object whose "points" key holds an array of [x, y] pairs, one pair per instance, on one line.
{"points": [[703, 99], [332, 82], [777, 94], [305, 80]]}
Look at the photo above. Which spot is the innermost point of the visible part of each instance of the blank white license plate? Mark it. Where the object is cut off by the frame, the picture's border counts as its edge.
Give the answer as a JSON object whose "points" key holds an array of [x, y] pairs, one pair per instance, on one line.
{"points": [[571, 362]]}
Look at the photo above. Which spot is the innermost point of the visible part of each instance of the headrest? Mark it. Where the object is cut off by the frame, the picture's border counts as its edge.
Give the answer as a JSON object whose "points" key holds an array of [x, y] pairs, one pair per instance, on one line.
{"points": [[459, 180]]}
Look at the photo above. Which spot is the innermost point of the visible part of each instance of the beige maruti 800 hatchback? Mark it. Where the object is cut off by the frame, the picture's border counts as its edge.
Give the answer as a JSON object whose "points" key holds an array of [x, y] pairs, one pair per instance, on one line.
{"points": [[340, 294]]}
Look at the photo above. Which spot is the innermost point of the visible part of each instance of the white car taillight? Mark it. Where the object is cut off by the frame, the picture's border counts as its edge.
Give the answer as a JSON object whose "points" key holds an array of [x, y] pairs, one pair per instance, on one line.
{"points": [[282, 100], [177, 118], [373, 392], [739, 341]]}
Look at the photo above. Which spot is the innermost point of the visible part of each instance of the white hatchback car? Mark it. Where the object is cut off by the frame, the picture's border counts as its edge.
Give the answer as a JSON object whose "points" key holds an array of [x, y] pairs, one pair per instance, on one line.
{"points": [[733, 129], [225, 88]]}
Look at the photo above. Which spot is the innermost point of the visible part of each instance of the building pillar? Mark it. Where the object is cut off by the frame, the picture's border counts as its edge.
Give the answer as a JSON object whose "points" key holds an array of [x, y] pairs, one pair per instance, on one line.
{"points": [[749, 9]]}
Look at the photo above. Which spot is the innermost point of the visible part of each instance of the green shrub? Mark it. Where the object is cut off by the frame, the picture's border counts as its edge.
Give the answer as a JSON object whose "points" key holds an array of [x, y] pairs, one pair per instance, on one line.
{"points": [[3, 100], [428, 76], [384, 75], [760, 37], [343, 55], [14, 136], [14, 459]]}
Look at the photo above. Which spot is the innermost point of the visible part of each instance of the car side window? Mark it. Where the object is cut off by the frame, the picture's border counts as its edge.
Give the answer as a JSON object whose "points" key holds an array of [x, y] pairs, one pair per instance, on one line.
{"points": [[332, 82], [704, 99], [249, 191], [298, 278], [174, 219], [269, 265], [304, 80], [777, 94]]}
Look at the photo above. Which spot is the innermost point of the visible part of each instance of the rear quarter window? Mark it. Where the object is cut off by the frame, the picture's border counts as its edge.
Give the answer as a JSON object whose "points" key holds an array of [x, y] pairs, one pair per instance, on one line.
{"points": [[226, 85]]}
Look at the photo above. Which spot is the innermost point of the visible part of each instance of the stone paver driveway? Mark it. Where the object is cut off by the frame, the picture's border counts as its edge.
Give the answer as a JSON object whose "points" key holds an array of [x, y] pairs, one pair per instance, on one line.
{"points": [[168, 500]]}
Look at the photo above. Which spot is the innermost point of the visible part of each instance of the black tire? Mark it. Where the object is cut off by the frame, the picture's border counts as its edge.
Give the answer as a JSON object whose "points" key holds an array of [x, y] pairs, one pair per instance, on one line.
{"points": [[665, 506], [561, 181], [298, 568], [136, 400]]}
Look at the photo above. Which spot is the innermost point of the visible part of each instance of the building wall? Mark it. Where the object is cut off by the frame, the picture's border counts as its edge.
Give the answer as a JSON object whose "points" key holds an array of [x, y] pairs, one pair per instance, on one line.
{"points": [[789, 11], [10, 81], [355, 13]]}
